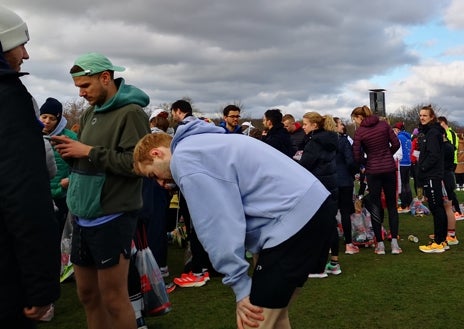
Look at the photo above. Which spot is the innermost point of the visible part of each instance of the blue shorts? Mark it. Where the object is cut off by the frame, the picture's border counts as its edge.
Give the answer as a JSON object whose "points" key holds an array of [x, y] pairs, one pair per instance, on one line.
{"points": [[100, 246]]}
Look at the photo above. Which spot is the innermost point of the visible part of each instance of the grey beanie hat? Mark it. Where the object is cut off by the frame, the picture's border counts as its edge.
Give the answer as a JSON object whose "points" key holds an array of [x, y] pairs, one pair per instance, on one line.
{"points": [[13, 30]]}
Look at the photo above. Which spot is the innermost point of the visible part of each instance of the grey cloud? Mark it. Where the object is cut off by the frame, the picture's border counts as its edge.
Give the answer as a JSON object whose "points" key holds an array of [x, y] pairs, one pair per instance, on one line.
{"points": [[262, 53]]}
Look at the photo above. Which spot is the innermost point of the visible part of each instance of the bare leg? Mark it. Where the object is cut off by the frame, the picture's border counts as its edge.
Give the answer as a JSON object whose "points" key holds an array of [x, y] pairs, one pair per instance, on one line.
{"points": [[89, 295], [276, 318], [105, 296], [115, 296], [450, 214]]}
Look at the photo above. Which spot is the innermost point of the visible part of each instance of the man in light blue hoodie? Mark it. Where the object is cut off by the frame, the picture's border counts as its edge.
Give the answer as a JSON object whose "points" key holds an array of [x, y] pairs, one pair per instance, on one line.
{"points": [[252, 206]]}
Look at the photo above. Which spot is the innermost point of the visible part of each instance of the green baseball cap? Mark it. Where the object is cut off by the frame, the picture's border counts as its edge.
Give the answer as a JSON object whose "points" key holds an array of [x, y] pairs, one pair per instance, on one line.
{"points": [[93, 63]]}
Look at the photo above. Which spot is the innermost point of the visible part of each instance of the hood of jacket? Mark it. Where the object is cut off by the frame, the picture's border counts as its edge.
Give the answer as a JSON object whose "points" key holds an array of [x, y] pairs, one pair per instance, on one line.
{"points": [[327, 139], [194, 127], [370, 121], [125, 95], [59, 127], [404, 134]]}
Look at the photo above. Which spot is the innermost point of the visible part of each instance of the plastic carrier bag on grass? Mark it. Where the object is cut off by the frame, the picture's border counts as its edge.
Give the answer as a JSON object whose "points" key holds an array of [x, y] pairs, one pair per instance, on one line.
{"points": [[155, 297]]}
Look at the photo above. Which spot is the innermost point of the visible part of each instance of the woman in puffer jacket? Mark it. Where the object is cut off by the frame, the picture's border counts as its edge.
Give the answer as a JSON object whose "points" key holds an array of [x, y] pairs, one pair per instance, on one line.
{"points": [[376, 139]]}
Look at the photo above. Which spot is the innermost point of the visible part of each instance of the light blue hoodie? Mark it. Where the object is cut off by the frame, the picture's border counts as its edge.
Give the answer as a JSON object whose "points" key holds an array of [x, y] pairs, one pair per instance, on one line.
{"points": [[242, 194]]}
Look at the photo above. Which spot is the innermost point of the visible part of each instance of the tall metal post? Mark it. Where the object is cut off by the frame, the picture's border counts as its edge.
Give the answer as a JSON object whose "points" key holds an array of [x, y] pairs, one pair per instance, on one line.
{"points": [[377, 98]]}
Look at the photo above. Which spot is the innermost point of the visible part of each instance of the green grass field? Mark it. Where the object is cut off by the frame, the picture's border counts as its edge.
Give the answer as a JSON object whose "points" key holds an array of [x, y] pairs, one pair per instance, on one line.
{"points": [[411, 290]]}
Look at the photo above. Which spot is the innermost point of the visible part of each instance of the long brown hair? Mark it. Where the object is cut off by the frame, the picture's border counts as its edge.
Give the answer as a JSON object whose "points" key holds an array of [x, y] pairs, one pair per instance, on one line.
{"points": [[363, 111]]}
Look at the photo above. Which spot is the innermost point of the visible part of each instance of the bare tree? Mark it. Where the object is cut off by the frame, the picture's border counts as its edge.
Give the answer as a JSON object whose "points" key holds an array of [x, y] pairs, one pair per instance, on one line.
{"points": [[72, 110]]}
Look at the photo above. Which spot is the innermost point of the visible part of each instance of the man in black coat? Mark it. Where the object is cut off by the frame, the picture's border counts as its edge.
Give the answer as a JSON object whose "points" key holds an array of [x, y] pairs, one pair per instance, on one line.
{"points": [[29, 239], [277, 136]]}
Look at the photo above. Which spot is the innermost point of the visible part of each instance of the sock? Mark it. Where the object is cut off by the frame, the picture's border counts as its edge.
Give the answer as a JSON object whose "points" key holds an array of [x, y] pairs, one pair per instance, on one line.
{"points": [[452, 233], [333, 262], [137, 304]]}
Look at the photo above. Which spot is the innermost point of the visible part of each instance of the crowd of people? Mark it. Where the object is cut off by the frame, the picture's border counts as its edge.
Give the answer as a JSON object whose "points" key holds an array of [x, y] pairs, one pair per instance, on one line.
{"points": [[119, 170]]}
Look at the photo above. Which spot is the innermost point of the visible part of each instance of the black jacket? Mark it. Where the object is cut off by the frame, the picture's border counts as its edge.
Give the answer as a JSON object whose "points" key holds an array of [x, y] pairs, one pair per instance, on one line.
{"points": [[279, 138], [319, 158], [29, 241], [430, 165]]}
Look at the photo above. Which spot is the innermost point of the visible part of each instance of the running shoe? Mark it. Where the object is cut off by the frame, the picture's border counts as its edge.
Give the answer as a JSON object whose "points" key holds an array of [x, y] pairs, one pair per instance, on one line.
{"points": [[432, 247], [351, 249], [452, 240], [403, 210], [170, 287], [318, 275], [188, 280], [68, 271], [333, 269], [379, 249]]}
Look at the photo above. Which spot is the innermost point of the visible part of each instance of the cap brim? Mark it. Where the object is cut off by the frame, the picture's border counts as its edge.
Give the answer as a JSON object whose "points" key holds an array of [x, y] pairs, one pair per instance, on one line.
{"points": [[118, 68]]}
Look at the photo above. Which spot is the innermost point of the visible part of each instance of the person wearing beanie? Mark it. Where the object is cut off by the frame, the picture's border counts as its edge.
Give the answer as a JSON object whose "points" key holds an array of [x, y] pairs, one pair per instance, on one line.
{"points": [[51, 116], [30, 258], [13, 36], [104, 193]]}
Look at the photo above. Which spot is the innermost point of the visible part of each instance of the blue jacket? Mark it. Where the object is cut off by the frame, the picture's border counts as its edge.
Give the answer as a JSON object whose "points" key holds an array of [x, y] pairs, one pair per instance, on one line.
{"points": [[237, 130], [405, 140], [238, 197], [346, 167]]}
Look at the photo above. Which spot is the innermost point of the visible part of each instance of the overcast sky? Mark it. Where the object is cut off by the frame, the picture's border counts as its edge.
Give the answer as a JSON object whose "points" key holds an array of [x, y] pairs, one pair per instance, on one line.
{"points": [[296, 55]]}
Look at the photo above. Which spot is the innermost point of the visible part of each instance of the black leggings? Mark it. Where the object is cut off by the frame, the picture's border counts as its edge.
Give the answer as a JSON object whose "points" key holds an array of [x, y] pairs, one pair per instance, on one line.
{"points": [[434, 193], [346, 206], [387, 183]]}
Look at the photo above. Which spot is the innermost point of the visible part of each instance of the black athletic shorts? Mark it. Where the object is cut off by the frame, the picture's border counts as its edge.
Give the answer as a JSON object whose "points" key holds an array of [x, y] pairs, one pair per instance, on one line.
{"points": [[283, 268], [100, 246]]}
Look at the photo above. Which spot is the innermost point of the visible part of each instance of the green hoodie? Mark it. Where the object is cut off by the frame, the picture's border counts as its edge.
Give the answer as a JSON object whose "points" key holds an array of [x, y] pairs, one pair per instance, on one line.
{"points": [[104, 183]]}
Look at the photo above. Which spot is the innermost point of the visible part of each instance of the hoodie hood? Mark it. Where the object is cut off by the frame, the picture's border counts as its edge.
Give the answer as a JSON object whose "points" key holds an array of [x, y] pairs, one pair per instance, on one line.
{"points": [[125, 95], [59, 127], [370, 121], [327, 139], [194, 127]]}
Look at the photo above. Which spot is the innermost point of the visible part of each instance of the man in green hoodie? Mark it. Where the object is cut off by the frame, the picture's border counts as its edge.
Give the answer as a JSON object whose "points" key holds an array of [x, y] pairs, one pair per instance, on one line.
{"points": [[104, 193]]}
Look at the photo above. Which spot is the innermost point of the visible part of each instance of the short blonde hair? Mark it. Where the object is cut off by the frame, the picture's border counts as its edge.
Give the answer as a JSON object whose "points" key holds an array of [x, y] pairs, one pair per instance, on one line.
{"points": [[148, 142]]}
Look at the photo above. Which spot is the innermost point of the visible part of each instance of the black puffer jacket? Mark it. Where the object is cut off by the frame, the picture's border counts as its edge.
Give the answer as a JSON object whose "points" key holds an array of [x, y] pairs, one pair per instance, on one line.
{"points": [[319, 158], [29, 241]]}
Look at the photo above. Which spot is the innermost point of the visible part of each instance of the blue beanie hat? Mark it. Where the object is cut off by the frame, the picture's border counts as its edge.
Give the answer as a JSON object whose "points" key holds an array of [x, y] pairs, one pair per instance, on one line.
{"points": [[52, 106]]}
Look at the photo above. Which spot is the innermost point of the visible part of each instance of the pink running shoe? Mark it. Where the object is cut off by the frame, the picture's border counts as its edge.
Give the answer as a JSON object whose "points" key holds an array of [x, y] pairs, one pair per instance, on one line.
{"points": [[351, 249]]}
